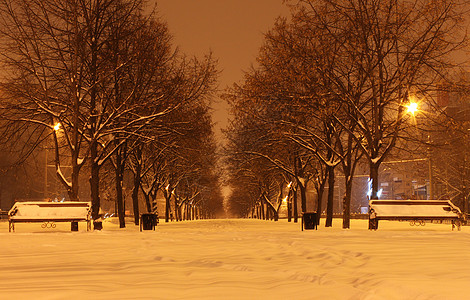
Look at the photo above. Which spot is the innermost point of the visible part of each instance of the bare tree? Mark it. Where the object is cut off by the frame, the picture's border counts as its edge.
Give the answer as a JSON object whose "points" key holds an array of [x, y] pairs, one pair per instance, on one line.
{"points": [[78, 67], [384, 52]]}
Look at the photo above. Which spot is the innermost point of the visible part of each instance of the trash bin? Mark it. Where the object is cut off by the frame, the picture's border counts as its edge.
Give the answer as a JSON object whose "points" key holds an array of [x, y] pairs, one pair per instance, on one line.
{"points": [[148, 222], [97, 225], [74, 226], [309, 220]]}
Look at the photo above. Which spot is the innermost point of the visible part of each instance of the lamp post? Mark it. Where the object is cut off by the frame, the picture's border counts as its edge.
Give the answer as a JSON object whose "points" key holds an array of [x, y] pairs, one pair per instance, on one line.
{"points": [[431, 189], [56, 128]]}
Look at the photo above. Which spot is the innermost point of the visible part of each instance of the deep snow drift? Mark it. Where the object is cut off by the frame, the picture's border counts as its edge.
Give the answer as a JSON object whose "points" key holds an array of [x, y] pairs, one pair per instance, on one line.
{"points": [[235, 259]]}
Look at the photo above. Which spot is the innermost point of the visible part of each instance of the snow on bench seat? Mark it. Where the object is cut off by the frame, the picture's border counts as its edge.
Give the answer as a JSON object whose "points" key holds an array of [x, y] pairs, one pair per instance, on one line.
{"points": [[413, 210], [49, 212]]}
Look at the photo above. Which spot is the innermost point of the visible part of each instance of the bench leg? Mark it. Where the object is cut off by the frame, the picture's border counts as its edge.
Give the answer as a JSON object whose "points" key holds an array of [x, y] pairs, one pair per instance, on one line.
{"points": [[456, 224], [373, 224], [74, 226], [11, 226]]}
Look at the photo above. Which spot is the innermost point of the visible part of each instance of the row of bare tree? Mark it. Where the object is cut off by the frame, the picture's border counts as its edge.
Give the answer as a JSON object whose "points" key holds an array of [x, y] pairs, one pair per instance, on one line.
{"points": [[101, 80], [331, 89]]}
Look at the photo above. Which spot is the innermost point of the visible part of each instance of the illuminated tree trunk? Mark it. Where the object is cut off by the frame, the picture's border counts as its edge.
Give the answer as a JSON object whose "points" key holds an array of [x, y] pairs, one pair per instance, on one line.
{"points": [[374, 177], [296, 213]]}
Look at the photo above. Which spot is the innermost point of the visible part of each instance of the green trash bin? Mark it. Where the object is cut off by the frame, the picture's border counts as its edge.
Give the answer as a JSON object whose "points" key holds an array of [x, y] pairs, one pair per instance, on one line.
{"points": [[309, 221], [97, 225], [148, 222]]}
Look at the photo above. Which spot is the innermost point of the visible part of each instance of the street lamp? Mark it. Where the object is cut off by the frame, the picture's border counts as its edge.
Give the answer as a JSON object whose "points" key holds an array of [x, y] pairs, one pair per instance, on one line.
{"points": [[56, 128], [412, 108]]}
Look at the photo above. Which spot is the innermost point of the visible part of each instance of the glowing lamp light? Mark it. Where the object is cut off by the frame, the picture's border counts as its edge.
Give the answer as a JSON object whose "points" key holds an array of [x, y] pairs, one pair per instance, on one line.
{"points": [[412, 108], [56, 127]]}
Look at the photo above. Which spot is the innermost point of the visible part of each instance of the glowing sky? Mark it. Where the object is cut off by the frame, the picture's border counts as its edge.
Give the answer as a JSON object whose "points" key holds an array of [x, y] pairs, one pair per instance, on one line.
{"points": [[231, 29]]}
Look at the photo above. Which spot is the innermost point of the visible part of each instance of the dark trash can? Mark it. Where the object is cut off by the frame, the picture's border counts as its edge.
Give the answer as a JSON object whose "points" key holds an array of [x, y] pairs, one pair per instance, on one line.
{"points": [[309, 221], [74, 226], [97, 225], [148, 222]]}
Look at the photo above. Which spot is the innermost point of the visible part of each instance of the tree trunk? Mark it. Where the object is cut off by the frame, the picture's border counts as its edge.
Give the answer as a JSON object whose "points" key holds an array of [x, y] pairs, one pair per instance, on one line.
{"points": [[319, 206], [347, 203], [296, 215], [119, 194], [289, 208], [374, 177], [135, 199], [135, 194], [320, 191], [148, 201], [93, 127], [167, 196], [176, 209], [331, 190], [263, 216], [303, 195], [95, 182], [73, 192]]}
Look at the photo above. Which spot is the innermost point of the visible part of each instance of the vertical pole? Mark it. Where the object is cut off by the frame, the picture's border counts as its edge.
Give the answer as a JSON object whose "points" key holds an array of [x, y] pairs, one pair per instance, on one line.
{"points": [[431, 190], [45, 176]]}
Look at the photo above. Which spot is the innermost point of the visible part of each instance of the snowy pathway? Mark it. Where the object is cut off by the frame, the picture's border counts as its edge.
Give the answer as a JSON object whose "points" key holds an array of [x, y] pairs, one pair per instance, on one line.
{"points": [[235, 259]]}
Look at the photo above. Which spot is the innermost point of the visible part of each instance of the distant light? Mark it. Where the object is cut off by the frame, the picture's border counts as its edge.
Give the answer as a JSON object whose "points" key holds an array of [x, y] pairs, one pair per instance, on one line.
{"points": [[57, 126], [412, 108], [369, 189]]}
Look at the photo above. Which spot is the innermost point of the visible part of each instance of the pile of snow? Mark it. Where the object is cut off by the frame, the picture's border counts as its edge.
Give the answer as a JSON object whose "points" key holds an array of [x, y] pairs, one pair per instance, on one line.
{"points": [[235, 259]]}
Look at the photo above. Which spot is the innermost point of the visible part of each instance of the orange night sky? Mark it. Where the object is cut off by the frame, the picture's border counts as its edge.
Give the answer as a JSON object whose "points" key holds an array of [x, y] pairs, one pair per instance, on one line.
{"points": [[231, 29]]}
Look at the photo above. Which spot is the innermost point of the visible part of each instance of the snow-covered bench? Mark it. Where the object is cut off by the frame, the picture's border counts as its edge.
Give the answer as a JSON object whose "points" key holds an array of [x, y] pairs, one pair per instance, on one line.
{"points": [[50, 212], [418, 212]]}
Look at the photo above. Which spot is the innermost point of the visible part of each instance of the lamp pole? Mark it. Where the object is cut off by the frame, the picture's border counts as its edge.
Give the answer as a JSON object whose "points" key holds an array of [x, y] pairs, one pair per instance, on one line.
{"points": [[56, 128], [45, 175], [431, 190]]}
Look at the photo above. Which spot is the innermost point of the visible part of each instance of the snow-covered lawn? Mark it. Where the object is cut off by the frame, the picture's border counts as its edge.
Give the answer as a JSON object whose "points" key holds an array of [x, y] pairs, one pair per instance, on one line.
{"points": [[235, 259]]}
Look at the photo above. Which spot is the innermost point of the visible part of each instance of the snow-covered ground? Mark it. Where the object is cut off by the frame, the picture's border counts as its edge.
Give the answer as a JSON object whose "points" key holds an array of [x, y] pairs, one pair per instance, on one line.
{"points": [[235, 259]]}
